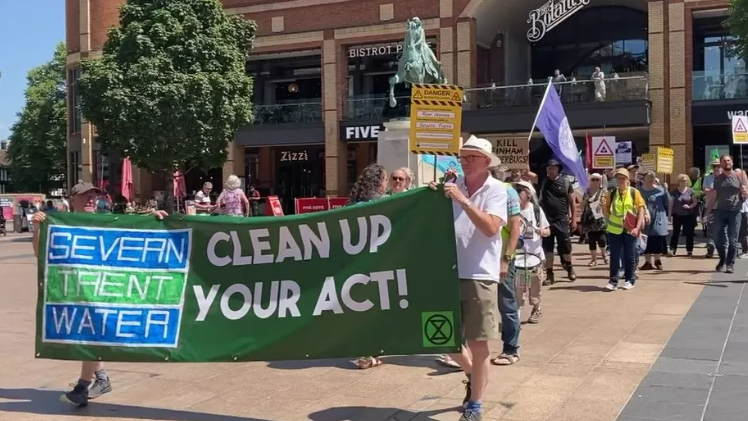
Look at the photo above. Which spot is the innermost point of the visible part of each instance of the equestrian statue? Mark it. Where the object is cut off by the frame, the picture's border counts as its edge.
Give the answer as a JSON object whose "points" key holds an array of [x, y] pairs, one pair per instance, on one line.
{"points": [[417, 63]]}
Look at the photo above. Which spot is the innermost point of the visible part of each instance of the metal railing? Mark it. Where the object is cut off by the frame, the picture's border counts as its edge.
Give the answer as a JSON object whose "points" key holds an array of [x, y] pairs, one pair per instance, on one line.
{"points": [[375, 107], [711, 85], [304, 112], [622, 88]]}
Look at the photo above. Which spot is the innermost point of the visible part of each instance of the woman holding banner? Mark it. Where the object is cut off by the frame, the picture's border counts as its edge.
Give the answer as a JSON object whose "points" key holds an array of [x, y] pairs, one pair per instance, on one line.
{"points": [[371, 185], [83, 197]]}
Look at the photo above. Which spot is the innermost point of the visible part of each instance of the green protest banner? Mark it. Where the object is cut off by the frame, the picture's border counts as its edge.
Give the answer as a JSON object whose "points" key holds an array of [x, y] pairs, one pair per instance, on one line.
{"points": [[371, 279]]}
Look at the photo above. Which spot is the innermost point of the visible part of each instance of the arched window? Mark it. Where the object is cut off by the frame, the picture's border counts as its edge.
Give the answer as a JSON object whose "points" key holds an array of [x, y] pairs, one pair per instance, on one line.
{"points": [[612, 37]]}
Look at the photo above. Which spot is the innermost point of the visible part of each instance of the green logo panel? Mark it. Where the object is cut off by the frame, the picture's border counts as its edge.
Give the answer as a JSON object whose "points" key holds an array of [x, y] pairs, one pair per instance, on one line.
{"points": [[438, 329]]}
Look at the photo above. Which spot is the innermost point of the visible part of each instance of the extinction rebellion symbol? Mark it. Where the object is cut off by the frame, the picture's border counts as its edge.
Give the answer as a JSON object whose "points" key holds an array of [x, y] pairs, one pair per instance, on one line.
{"points": [[550, 15], [438, 329]]}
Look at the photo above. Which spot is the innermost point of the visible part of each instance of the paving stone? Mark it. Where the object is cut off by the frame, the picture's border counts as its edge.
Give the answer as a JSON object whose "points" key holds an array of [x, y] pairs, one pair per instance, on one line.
{"points": [[663, 410], [714, 413], [691, 353], [731, 382], [677, 365], [684, 380], [671, 394]]}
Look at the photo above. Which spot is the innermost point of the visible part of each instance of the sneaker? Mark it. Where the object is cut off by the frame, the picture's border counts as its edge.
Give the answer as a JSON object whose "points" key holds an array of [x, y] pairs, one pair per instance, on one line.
{"points": [[535, 316], [471, 415], [743, 256], [78, 396], [720, 266], [730, 269], [611, 286], [468, 392], [571, 274], [658, 265], [549, 278], [100, 387], [628, 285], [646, 266]]}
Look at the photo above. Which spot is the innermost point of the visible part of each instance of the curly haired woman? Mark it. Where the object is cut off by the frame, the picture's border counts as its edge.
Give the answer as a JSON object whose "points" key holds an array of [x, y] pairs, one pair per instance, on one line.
{"points": [[371, 185]]}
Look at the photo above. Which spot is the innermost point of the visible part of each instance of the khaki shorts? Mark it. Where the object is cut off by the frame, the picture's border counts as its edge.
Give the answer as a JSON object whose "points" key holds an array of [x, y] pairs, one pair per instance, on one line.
{"points": [[480, 310]]}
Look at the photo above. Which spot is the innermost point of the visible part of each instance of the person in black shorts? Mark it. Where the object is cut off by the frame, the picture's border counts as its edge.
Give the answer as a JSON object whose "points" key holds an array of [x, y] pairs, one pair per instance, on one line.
{"points": [[558, 203]]}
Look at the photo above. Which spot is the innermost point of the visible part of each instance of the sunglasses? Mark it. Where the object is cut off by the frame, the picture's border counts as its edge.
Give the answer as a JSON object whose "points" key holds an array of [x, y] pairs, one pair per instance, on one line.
{"points": [[398, 179]]}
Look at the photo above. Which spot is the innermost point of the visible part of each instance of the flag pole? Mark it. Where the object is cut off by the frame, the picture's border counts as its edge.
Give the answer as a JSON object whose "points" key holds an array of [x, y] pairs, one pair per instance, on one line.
{"points": [[542, 102]]}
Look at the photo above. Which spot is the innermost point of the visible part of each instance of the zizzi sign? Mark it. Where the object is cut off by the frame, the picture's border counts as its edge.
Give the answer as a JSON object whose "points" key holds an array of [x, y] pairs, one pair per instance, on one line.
{"points": [[361, 132], [550, 15]]}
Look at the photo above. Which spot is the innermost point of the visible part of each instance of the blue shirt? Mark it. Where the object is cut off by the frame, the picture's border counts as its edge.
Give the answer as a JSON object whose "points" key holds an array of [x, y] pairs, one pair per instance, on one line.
{"points": [[512, 202], [657, 201]]}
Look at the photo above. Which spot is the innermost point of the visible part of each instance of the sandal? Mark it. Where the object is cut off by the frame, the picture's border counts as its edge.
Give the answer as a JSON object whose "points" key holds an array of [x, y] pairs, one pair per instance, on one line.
{"points": [[445, 361], [368, 362], [592, 264], [505, 359]]}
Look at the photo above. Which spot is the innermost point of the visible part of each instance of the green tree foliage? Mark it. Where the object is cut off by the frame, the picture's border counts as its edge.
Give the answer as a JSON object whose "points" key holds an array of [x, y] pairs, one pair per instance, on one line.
{"points": [[37, 140], [737, 23], [171, 89]]}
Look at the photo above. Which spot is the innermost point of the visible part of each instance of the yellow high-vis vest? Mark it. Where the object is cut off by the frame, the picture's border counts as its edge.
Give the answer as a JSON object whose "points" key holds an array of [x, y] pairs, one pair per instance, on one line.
{"points": [[619, 206]]}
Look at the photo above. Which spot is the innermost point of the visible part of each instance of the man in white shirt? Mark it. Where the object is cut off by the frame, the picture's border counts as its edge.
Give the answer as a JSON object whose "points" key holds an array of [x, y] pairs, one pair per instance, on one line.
{"points": [[480, 210], [202, 199]]}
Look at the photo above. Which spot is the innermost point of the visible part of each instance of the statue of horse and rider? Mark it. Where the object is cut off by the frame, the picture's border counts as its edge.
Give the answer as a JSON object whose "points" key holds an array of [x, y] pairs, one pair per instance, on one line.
{"points": [[417, 63]]}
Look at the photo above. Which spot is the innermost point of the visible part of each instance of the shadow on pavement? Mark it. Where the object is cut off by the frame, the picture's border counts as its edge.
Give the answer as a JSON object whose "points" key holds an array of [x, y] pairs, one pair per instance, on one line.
{"points": [[23, 239], [580, 288], [345, 413], [426, 361], [47, 402]]}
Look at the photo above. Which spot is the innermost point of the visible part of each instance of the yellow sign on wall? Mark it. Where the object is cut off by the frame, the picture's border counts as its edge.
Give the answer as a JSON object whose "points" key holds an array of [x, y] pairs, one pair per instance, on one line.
{"points": [[664, 160], [435, 119]]}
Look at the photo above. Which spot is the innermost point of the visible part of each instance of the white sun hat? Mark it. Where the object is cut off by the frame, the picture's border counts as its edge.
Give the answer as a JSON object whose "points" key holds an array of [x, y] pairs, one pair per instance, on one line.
{"points": [[482, 146]]}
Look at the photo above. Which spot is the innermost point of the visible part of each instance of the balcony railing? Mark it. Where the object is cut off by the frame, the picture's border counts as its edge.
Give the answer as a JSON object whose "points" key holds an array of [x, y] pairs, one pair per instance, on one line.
{"points": [[303, 112], [622, 88], [375, 107], [708, 85]]}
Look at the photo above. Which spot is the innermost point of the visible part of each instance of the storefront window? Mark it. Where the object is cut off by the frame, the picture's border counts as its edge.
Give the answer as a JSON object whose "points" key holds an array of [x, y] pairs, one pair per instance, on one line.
{"points": [[717, 72], [612, 37], [287, 90]]}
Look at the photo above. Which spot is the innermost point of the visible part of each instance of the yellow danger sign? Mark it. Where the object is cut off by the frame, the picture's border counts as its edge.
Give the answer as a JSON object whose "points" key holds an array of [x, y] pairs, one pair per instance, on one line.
{"points": [[435, 119]]}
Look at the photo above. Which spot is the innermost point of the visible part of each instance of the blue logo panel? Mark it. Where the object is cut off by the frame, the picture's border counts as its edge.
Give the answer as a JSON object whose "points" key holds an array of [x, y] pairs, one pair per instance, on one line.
{"points": [[142, 249], [108, 325]]}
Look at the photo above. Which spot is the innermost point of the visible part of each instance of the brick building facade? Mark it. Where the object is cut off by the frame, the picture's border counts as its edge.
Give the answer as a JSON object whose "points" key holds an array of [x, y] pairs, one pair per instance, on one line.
{"points": [[474, 49]]}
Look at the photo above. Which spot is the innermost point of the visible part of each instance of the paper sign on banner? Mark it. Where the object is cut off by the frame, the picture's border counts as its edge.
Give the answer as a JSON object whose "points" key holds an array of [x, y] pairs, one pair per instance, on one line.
{"points": [[602, 152], [514, 152], [740, 129], [624, 152], [664, 160]]}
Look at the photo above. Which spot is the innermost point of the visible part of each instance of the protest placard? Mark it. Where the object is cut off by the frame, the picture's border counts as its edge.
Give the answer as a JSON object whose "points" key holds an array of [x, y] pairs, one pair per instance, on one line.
{"points": [[361, 280], [514, 152]]}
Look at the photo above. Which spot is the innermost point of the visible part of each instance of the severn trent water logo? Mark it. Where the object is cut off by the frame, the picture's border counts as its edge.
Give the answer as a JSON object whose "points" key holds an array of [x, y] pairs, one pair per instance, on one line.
{"points": [[550, 15], [115, 287]]}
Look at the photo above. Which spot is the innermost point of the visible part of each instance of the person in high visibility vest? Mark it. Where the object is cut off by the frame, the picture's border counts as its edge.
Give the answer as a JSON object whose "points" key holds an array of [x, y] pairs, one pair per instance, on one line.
{"points": [[622, 236]]}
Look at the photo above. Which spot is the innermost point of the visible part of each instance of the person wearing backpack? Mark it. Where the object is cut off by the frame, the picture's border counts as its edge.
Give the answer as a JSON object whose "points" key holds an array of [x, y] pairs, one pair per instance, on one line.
{"points": [[624, 209]]}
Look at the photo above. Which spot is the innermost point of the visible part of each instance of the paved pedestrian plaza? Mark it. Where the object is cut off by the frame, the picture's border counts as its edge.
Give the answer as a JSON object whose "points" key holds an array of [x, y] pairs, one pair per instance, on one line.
{"points": [[673, 348]]}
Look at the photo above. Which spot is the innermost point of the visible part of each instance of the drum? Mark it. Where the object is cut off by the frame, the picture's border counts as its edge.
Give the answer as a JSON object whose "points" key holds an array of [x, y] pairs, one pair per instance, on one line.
{"points": [[525, 265]]}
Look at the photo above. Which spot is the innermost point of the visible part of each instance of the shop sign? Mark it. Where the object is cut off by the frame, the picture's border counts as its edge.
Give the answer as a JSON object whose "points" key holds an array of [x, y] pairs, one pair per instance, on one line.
{"points": [[550, 15], [361, 132], [294, 156], [380, 50], [319, 204]]}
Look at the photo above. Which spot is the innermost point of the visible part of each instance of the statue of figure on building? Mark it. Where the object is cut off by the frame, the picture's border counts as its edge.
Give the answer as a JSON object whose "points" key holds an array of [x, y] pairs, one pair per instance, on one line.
{"points": [[417, 63]]}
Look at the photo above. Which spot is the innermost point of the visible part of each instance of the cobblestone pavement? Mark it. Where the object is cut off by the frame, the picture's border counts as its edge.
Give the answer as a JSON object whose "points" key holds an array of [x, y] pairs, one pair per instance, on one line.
{"points": [[582, 362]]}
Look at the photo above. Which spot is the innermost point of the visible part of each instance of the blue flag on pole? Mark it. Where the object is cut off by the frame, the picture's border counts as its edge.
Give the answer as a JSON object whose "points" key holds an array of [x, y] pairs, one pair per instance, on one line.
{"points": [[552, 122]]}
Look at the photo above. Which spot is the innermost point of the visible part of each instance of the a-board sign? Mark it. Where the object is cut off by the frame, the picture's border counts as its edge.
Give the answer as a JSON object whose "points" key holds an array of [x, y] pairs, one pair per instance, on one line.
{"points": [[274, 207], [435, 119], [603, 152]]}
